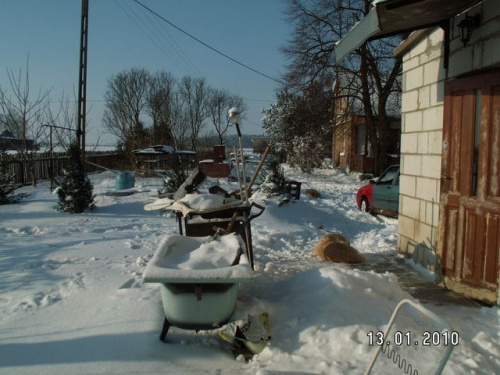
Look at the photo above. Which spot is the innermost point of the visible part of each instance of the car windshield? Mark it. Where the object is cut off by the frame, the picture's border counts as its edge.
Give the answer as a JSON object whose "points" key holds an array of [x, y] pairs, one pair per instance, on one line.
{"points": [[389, 175]]}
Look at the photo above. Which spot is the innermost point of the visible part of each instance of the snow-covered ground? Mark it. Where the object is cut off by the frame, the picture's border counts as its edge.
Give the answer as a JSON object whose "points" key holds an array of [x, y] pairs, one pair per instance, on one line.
{"points": [[72, 299]]}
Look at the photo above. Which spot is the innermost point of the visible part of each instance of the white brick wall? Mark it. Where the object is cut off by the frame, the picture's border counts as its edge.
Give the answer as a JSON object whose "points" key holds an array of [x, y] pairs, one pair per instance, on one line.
{"points": [[431, 166], [433, 117], [409, 101], [409, 143], [427, 190], [407, 186], [414, 78], [411, 165], [433, 71], [435, 142], [421, 143], [412, 121]]}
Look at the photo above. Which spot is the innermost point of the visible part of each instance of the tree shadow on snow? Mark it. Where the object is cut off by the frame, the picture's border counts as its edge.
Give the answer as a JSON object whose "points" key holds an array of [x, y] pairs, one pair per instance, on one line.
{"points": [[125, 347]]}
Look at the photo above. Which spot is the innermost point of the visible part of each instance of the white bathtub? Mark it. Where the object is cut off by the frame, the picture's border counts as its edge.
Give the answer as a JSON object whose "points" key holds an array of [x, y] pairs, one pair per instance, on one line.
{"points": [[199, 279]]}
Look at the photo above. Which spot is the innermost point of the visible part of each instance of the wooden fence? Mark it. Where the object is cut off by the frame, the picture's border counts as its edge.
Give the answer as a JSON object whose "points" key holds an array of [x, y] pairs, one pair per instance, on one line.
{"points": [[45, 162]]}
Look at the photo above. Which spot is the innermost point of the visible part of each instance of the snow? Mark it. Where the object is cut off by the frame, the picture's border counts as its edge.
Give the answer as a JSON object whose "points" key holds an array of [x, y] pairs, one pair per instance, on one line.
{"points": [[72, 299], [202, 201], [186, 254], [160, 149], [181, 258]]}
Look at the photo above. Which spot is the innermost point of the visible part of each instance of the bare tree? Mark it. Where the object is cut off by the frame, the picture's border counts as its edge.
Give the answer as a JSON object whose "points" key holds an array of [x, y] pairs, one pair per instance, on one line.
{"points": [[369, 76], [24, 116], [126, 103], [158, 108], [206, 141], [219, 104], [63, 121], [181, 130], [195, 93], [162, 88]]}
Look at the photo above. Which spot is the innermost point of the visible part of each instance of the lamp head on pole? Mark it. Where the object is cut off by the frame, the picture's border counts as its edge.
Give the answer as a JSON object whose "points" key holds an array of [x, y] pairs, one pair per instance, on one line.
{"points": [[234, 115]]}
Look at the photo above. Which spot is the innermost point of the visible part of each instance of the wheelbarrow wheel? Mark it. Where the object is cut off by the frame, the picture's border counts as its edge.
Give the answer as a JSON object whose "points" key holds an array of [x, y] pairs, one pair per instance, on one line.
{"points": [[164, 330]]}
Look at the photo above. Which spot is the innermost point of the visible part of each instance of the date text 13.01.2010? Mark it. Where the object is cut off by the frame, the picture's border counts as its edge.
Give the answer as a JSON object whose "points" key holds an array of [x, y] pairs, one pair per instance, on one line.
{"points": [[408, 338]]}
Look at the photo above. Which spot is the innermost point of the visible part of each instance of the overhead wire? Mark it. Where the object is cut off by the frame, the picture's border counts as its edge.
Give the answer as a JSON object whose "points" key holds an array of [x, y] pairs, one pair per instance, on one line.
{"points": [[159, 42], [207, 45], [162, 31], [181, 60], [103, 100], [132, 15], [252, 122], [259, 100]]}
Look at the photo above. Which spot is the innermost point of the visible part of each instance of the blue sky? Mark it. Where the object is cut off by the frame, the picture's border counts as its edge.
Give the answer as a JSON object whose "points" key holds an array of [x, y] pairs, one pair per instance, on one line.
{"points": [[120, 38]]}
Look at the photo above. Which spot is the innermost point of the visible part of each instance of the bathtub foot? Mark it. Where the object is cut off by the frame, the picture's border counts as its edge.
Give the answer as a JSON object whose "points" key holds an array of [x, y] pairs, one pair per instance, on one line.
{"points": [[164, 330]]}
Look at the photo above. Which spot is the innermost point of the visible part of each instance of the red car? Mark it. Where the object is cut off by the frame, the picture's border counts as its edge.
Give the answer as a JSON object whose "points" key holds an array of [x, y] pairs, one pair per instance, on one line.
{"points": [[381, 196]]}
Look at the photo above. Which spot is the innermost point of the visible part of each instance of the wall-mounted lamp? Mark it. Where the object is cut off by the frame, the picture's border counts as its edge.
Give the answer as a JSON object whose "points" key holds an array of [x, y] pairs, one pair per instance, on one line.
{"points": [[466, 26]]}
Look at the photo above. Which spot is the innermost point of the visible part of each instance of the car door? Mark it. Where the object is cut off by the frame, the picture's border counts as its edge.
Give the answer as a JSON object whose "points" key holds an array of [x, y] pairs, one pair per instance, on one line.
{"points": [[394, 195], [384, 190]]}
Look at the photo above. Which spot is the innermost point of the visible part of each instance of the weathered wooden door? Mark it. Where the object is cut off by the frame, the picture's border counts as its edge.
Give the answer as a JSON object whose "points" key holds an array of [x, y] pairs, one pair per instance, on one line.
{"points": [[470, 187]]}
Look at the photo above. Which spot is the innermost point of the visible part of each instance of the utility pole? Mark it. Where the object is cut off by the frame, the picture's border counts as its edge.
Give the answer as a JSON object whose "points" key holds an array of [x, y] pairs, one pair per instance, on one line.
{"points": [[82, 80], [51, 164]]}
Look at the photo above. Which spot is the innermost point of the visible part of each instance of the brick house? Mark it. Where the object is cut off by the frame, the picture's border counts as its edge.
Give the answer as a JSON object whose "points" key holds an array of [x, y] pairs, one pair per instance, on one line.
{"points": [[350, 146], [449, 212]]}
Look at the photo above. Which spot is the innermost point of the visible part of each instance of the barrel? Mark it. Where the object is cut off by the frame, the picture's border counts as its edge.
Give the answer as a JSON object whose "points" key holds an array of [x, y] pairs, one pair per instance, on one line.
{"points": [[124, 180]]}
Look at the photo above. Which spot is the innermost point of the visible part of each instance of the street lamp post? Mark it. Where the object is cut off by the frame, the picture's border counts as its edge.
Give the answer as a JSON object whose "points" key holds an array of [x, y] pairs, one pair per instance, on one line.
{"points": [[235, 117]]}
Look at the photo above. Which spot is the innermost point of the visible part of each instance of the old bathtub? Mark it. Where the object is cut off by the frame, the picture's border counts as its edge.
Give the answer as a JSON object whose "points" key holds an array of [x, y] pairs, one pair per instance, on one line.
{"points": [[198, 279]]}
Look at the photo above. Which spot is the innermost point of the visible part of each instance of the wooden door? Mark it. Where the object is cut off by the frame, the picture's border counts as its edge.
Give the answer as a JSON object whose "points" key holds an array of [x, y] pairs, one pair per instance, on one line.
{"points": [[470, 187]]}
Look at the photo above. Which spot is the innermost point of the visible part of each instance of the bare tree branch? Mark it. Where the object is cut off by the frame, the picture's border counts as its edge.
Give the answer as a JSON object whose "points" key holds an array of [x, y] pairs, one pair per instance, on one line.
{"points": [[195, 94], [25, 115], [369, 77]]}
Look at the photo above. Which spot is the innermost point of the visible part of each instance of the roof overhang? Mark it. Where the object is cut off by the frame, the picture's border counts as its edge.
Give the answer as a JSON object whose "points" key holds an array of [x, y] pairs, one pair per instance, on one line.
{"points": [[391, 17]]}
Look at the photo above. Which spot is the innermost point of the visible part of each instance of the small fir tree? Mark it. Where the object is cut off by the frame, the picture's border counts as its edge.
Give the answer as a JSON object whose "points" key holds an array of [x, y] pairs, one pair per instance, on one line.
{"points": [[174, 178], [76, 191], [274, 179], [7, 187]]}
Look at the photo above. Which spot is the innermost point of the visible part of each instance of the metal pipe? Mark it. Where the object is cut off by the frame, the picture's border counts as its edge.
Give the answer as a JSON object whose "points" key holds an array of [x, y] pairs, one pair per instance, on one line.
{"points": [[238, 172], [242, 163]]}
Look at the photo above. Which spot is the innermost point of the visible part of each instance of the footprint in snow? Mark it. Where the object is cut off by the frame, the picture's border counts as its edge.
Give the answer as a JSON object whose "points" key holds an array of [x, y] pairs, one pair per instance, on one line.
{"points": [[130, 283], [42, 299]]}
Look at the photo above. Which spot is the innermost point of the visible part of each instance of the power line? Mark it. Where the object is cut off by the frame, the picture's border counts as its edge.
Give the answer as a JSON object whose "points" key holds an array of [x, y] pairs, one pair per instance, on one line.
{"points": [[103, 100], [162, 29], [208, 46], [150, 34], [252, 122], [260, 100]]}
